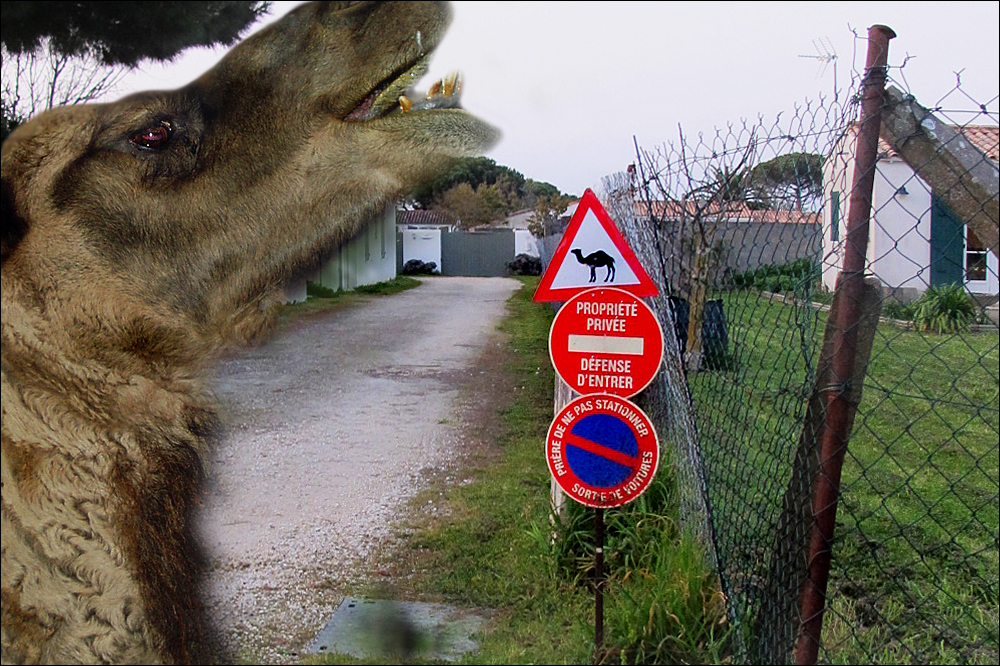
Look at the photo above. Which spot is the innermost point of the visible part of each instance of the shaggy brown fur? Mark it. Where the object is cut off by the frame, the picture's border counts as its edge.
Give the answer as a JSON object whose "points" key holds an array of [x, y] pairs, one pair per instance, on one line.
{"points": [[137, 238]]}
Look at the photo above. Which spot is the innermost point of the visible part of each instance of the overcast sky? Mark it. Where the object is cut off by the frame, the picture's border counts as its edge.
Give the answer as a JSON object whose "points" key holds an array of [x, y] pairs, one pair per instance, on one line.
{"points": [[570, 84]]}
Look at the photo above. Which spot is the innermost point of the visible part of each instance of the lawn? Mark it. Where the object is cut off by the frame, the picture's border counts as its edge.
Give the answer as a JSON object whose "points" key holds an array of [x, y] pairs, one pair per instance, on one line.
{"points": [[490, 543], [915, 571], [915, 567]]}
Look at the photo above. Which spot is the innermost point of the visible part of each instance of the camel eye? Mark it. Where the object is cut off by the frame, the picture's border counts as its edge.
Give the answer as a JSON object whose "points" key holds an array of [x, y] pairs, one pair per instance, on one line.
{"points": [[154, 137]]}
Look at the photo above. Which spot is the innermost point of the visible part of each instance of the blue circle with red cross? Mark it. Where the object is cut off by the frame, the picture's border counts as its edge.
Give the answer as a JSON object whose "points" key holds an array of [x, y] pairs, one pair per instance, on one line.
{"points": [[602, 450], [595, 468]]}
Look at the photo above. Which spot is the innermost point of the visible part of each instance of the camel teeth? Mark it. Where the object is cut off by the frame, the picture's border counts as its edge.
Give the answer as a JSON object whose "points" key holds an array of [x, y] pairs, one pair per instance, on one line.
{"points": [[452, 84], [405, 104]]}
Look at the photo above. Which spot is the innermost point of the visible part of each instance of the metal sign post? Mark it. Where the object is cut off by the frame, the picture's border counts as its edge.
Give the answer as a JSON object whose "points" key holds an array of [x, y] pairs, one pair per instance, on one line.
{"points": [[598, 582], [603, 452], [607, 345]]}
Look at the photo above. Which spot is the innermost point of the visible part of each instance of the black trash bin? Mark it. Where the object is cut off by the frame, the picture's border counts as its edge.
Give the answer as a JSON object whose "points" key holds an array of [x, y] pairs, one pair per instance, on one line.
{"points": [[714, 334]]}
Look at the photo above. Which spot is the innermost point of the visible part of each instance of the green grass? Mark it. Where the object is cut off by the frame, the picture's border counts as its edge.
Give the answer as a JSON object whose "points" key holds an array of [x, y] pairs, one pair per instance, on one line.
{"points": [[489, 544], [915, 568], [389, 287], [386, 288], [915, 563], [321, 300], [663, 606], [919, 512]]}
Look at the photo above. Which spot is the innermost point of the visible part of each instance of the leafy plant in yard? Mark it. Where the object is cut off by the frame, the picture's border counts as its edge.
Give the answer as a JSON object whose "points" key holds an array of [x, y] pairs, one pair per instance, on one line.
{"points": [[663, 604], [797, 276], [947, 309], [894, 309]]}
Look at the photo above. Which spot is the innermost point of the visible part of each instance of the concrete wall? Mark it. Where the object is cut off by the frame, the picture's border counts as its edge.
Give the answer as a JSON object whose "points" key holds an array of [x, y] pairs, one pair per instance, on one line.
{"points": [[738, 247], [747, 245], [476, 253], [742, 246], [466, 253], [367, 258], [421, 244]]}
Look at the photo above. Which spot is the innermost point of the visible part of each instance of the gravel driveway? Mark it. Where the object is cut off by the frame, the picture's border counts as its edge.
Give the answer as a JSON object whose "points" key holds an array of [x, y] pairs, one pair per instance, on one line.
{"points": [[329, 428]]}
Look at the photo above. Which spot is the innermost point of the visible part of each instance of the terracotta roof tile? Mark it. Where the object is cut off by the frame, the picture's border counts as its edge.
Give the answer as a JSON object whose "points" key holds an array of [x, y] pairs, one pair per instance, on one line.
{"points": [[729, 213], [986, 138], [422, 217]]}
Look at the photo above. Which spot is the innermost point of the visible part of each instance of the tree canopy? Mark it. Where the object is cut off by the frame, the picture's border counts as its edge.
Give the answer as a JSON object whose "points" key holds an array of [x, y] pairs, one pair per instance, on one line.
{"points": [[477, 190], [794, 181], [124, 33], [474, 171], [58, 53]]}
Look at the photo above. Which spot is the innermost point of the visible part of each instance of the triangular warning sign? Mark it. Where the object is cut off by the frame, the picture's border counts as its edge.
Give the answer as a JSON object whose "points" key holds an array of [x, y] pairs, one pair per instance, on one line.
{"points": [[592, 253]]}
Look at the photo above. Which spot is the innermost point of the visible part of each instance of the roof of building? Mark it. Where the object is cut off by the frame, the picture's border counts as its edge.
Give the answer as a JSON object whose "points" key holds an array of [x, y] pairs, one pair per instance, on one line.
{"points": [[422, 217], [986, 139], [731, 212]]}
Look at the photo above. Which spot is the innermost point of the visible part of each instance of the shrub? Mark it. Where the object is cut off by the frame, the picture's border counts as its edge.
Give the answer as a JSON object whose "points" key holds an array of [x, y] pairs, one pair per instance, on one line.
{"points": [[417, 267], [945, 309], [796, 276], [898, 310], [525, 264], [315, 290]]}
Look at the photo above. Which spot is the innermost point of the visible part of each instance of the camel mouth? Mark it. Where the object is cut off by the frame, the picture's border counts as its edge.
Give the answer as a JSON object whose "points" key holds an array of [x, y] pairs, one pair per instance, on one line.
{"points": [[395, 94]]}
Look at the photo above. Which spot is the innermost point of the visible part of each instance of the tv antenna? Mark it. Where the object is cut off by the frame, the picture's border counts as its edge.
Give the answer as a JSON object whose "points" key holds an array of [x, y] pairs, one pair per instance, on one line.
{"points": [[826, 55]]}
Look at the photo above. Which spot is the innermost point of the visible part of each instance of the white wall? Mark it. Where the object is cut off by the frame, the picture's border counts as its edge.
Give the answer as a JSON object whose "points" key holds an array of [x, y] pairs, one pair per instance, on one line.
{"points": [[367, 258], [423, 245], [991, 285], [525, 243], [899, 250], [900, 229], [899, 239], [838, 172]]}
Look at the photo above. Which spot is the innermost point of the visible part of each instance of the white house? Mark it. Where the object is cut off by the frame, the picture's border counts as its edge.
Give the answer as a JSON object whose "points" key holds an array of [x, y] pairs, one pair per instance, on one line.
{"points": [[368, 258], [524, 241], [914, 241]]}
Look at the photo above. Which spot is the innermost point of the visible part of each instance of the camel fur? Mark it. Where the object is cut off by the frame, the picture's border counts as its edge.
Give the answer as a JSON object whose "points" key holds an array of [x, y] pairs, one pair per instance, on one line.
{"points": [[139, 238]]}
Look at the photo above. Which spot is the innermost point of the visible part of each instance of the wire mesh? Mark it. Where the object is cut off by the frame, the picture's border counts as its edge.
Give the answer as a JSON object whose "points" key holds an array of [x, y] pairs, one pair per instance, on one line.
{"points": [[743, 231], [915, 577]]}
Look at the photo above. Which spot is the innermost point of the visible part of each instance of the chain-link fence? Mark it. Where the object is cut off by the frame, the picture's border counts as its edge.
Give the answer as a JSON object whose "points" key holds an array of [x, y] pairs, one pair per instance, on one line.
{"points": [[747, 232]]}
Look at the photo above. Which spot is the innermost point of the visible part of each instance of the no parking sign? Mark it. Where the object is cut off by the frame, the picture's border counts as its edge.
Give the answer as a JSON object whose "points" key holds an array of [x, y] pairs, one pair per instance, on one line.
{"points": [[602, 450]]}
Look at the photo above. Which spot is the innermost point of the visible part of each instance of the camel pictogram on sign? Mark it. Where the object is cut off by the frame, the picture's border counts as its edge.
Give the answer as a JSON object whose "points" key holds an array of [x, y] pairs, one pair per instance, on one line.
{"points": [[595, 260], [591, 229]]}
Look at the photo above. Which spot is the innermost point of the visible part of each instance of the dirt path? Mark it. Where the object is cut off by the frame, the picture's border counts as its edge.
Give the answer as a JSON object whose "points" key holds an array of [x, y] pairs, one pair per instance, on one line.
{"points": [[330, 427]]}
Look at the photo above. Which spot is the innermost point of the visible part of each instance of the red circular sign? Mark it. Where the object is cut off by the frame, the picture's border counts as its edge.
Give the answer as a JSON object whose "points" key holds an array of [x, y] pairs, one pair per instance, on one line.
{"points": [[606, 340], [602, 450]]}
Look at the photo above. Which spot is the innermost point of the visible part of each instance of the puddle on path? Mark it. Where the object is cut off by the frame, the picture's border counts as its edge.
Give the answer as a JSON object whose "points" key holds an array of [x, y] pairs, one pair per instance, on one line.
{"points": [[376, 628]]}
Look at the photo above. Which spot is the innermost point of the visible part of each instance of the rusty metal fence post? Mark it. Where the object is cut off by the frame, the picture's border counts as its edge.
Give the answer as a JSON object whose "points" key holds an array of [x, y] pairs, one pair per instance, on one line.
{"points": [[759, 435], [839, 413]]}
